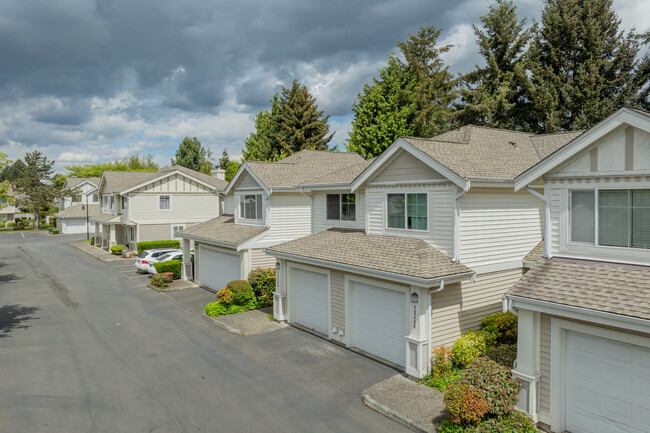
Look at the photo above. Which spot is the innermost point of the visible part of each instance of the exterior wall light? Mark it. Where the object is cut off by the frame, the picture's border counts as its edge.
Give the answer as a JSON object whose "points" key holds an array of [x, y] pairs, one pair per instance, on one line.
{"points": [[414, 298]]}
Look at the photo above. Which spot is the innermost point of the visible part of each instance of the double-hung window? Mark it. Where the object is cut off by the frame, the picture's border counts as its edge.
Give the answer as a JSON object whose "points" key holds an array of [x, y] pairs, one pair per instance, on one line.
{"points": [[611, 217], [164, 202], [176, 229], [341, 207], [95, 198], [76, 198], [407, 211], [125, 203], [250, 207]]}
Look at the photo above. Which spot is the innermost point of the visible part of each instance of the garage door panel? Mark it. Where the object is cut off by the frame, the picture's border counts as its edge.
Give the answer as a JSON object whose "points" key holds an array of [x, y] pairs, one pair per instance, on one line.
{"points": [[311, 304], [606, 385], [218, 268], [379, 322]]}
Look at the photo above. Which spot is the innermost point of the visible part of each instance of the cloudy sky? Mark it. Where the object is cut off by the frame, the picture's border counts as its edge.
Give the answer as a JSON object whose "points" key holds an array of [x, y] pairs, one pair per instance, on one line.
{"points": [[86, 81]]}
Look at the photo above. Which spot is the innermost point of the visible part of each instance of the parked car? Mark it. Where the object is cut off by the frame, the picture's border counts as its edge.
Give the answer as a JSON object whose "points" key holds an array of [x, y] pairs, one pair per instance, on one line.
{"points": [[142, 263], [164, 258]]}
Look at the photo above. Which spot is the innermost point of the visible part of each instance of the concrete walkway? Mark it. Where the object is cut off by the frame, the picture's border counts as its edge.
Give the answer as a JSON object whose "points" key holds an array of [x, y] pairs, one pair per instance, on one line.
{"points": [[99, 253], [406, 402]]}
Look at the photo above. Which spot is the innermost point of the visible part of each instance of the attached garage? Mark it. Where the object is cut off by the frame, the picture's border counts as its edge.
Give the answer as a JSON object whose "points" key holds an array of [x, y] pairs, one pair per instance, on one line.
{"points": [[75, 225], [380, 321], [311, 299], [218, 267], [607, 385]]}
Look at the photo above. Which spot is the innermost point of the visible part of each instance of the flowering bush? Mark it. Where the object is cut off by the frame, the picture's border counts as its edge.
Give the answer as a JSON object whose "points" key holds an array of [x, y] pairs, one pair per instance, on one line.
{"points": [[503, 326], [263, 282], [443, 373], [504, 354], [469, 346], [494, 383], [225, 296], [465, 404]]}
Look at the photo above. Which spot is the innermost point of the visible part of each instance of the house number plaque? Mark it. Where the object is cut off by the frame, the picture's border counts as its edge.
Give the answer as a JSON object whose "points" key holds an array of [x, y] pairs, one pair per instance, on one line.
{"points": [[415, 316]]}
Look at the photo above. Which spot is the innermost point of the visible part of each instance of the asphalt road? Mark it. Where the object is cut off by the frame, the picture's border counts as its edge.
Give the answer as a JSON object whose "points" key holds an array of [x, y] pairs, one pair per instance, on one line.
{"points": [[85, 347]]}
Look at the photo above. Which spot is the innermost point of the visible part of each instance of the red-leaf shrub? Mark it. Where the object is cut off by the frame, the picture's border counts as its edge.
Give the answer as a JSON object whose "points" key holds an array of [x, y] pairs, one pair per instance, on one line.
{"points": [[465, 404], [504, 354], [503, 326], [513, 422], [495, 384]]}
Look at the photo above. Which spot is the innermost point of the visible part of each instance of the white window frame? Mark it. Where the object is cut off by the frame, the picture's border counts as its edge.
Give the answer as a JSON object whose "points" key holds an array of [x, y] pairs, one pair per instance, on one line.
{"points": [[405, 229], [596, 243], [170, 202], [239, 197], [95, 198], [182, 227], [125, 202], [356, 202]]}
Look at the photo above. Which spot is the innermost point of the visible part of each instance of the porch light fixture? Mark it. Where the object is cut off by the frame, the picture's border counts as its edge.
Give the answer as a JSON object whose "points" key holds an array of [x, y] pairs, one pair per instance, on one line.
{"points": [[414, 298]]}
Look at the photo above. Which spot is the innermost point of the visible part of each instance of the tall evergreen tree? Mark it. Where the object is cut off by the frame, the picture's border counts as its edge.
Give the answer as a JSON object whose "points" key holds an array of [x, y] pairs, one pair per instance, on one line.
{"points": [[299, 124], [494, 95], [33, 189], [262, 143], [434, 89], [224, 161], [193, 155], [582, 66], [383, 111]]}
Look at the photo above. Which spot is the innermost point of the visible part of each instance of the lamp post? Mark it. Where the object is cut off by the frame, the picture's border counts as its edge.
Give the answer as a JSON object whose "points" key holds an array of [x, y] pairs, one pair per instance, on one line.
{"points": [[87, 222]]}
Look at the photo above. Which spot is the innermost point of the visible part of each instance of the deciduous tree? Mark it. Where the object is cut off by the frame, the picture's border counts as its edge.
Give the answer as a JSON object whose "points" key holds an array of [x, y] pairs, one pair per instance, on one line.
{"points": [[33, 189]]}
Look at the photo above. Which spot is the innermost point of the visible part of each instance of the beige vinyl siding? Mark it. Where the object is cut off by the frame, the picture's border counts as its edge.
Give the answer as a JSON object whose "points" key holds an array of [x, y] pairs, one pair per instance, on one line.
{"points": [[555, 205], [194, 207], [155, 232], [175, 183], [462, 306], [247, 181], [406, 167], [229, 205], [440, 213], [338, 299], [289, 217], [259, 259], [545, 364], [498, 226], [319, 212]]}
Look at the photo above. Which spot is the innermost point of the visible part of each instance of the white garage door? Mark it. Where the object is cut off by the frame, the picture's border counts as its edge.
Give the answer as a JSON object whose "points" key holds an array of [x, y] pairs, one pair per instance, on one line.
{"points": [[380, 322], [75, 225], [218, 268], [311, 300], [607, 385]]}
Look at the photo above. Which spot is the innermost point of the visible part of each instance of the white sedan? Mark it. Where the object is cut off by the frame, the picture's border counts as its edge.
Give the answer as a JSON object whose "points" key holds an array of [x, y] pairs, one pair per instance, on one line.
{"points": [[164, 258], [142, 263]]}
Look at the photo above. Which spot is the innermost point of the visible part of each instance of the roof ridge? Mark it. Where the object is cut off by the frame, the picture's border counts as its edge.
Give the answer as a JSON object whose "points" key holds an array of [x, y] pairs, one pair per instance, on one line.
{"points": [[560, 133]]}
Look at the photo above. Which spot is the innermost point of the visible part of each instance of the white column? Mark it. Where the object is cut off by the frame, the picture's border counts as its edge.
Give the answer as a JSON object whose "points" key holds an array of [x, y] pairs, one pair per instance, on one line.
{"points": [[187, 260], [417, 338], [528, 360], [280, 294]]}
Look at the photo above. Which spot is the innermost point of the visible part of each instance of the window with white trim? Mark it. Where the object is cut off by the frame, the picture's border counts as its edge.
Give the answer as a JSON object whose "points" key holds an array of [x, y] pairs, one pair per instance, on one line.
{"points": [[132, 233], [407, 211], [341, 207], [125, 203], [95, 198], [250, 207], [76, 198], [164, 202], [112, 202], [176, 229], [615, 217]]}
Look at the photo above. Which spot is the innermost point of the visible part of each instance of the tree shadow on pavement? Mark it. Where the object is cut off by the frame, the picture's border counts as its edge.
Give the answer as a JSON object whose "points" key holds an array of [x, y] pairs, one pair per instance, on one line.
{"points": [[7, 278], [15, 317]]}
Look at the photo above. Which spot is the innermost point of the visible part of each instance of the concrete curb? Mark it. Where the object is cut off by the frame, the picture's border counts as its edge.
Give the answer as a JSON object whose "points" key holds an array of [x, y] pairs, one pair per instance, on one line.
{"points": [[391, 414], [156, 289], [222, 325]]}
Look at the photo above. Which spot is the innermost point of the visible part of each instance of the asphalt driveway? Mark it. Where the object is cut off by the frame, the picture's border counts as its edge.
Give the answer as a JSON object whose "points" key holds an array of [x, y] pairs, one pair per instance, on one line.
{"points": [[86, 347]]}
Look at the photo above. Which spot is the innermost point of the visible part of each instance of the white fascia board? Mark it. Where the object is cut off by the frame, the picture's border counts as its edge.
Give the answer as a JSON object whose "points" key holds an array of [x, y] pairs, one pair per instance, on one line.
{"points": [[402, 144], [207, 241], [623, 116], [164, 175], [100, 187], [579, 313], [250, 243], [244, 168], [400, 278], [346, 186]]}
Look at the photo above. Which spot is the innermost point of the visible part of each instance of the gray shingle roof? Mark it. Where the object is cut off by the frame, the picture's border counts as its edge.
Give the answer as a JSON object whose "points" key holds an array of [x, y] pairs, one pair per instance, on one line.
{"points": [[223, 229], [302, 166], [73, 182], [77, 211], [608, 287], [120, 180], [105, 217], [490, 153], [536, 253], [405, 256], [344, 175]]}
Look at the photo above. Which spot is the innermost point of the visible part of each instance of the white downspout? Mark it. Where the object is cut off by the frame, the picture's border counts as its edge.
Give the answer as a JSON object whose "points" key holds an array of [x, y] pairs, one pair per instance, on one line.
{"points": [[441, 286], [454, 234], [547, 221]]}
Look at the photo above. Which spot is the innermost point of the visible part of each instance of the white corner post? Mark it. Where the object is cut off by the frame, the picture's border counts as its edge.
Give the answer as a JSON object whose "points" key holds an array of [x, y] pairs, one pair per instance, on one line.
{"points": [[187, 261], [454, 231], [280, 294], [528, 361], [547, 221], [417, 339]]}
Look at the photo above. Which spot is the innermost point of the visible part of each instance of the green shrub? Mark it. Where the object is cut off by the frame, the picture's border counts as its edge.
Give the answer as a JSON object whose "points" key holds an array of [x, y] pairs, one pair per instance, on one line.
{"points": [[11, 224], [54, 232], [470, 346], [173, 266], [159, 281], [142, 246], [513, 422], [225, 296], [117, 249], [449, 427], [443, 373], [263, 282], [19, 226], [504, 354], [503, 326], [465, 404], [216, 309], [495, 384], [242, 292]]}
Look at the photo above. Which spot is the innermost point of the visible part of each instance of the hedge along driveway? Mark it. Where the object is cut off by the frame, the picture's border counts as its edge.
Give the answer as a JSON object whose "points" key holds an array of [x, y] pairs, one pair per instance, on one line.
{"points": [[141, 246]]}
